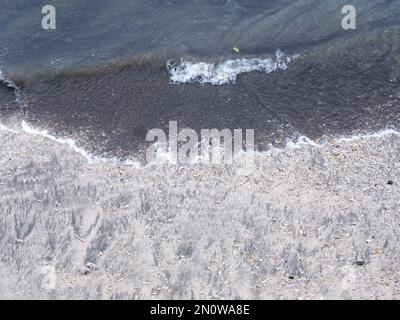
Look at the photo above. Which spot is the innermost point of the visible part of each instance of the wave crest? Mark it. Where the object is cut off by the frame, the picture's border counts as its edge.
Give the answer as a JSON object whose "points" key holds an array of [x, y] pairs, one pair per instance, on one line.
{"points": [[226, 72]]}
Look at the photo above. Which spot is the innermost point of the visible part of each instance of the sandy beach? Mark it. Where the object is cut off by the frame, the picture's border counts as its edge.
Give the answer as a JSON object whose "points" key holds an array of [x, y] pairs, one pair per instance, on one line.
{"points": [[308, 223]]}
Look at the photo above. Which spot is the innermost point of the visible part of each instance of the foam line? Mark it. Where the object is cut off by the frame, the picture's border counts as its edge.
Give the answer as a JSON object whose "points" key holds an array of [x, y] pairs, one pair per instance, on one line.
{"points": [[375, 135], [72, 144], [301, 142]]}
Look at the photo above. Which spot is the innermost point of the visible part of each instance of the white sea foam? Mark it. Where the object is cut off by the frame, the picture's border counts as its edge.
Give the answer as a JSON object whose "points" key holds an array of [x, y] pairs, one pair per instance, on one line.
{"points": [[91, 159], [163, 155], [301, 142], [375, 135], [27, 128], [226, 72], [7, 129]]}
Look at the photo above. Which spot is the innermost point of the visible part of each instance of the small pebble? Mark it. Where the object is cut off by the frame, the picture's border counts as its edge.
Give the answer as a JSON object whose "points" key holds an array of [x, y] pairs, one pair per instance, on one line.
{"points": [[360, 262]]}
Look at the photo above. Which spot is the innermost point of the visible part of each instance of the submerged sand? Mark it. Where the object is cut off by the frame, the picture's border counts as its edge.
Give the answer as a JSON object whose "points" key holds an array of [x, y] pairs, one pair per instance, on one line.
{"points": [[308, 223]]}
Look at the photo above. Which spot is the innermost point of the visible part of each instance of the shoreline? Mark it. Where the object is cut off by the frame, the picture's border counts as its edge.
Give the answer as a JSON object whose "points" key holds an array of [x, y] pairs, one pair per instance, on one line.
{"points": [[291, 143]]}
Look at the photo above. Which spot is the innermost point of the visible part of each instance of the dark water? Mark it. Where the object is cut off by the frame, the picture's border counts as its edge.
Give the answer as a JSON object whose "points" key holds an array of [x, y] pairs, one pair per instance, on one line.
{"points": [[101, 76], [90, 32]]}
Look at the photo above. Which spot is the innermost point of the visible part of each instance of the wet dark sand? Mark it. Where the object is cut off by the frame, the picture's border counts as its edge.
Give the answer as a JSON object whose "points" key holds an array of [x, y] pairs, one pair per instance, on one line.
{"points": [[326, 91], [7, 100]]}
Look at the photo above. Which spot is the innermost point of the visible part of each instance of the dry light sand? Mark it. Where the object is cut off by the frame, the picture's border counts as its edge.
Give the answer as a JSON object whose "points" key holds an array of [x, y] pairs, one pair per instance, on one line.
{"points": [[308, 223]]}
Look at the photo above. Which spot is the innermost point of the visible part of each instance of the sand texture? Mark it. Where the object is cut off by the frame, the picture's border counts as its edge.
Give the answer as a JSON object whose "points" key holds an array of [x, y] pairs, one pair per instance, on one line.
{"points": [[307, 223]]}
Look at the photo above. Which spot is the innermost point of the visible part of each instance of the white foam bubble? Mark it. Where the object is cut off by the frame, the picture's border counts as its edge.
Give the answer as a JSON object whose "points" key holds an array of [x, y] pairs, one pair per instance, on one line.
{"points": [[226, 72]]}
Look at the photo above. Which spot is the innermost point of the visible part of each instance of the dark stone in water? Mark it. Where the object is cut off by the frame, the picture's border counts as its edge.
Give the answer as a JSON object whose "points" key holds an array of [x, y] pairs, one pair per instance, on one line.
{"points": [[390, 182]]}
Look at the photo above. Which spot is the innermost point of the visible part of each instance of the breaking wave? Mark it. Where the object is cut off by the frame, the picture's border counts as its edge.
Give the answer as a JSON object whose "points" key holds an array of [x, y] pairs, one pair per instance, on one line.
{"points": [[226, 72]]}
